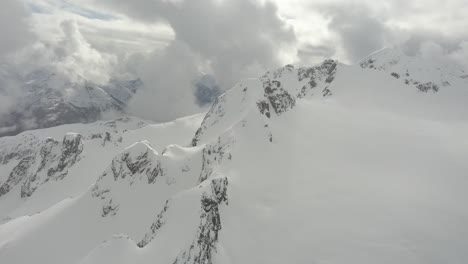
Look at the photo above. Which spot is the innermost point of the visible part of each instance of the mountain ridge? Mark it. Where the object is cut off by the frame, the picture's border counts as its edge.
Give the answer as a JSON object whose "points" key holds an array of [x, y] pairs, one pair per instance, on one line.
{"points": [[304, 161]]}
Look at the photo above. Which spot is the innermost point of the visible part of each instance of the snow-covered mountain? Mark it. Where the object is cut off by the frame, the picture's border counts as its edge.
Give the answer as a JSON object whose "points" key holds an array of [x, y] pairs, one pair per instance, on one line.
{"points": [[424, 75], [327, 164], [47, 100]]}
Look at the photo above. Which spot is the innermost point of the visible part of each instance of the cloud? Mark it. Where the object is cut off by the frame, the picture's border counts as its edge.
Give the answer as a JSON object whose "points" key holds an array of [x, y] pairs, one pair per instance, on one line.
{"points": [[9, 90], [439, 54], [16, 34], [309, 53], [70, 58], [206, 90], [168, 76], [76, 59], [13, 27], [67, 60], [460, 55], [230, 40], [359, 31], [105, 30], [357, 28]]}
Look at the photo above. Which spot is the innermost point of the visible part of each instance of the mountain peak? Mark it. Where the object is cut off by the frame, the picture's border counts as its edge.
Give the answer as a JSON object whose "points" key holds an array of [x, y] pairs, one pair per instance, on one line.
{"points": [[415, 71]]}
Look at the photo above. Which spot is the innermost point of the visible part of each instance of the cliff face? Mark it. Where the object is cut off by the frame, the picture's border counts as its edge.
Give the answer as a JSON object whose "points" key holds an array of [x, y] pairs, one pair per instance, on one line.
{"points": [[50, 163]]}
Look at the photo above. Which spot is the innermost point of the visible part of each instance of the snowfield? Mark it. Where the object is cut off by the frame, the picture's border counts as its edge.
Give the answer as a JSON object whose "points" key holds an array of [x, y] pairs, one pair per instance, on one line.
{"points": [[329, 164]]}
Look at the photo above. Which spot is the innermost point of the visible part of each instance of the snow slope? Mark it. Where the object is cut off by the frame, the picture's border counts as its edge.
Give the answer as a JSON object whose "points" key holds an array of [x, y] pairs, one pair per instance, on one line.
{"points": [[42, 167], [328, 164]]}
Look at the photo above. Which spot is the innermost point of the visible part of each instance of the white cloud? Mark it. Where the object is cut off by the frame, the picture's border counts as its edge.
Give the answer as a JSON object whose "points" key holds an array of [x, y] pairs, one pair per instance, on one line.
{"points": [[396, 23], [78, 60], [105, 31], [70, 57], [229, 39]]}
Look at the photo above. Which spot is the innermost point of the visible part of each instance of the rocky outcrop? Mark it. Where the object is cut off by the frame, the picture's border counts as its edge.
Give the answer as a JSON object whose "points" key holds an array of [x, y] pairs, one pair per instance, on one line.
{"points": [[157, 224], [72, 146], [426, 87], [55, 160], [50, 162], [214, 154], [211, 118], [16, 148], [139, 163], [412, 71], [204, 245], [280, 100], [139, 159], [18, 174], [278, 95], [274, 93]]}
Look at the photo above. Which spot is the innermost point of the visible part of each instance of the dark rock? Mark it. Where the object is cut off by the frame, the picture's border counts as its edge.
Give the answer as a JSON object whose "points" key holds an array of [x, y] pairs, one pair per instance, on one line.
{"points": [[157, 224], [264, 108], [204, 245]]}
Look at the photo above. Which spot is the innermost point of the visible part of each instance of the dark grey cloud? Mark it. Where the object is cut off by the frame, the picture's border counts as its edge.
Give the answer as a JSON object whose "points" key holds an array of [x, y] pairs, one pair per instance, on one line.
{"points": [[13, 27], [206, 90], [310, 53], [15, 34], [360, 31]]}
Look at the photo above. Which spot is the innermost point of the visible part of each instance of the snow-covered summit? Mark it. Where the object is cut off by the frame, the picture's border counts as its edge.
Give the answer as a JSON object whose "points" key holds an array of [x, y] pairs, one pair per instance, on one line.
{"points": [[415, 71]]}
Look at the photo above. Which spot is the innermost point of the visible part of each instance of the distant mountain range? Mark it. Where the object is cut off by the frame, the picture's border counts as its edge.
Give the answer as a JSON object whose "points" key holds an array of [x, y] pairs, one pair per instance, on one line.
{"points": [[46, 101], [42, 104]]}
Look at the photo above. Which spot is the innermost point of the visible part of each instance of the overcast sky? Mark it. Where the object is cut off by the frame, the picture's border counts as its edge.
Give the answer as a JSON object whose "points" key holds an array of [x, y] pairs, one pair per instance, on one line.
{"points": [[168, 43]]}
